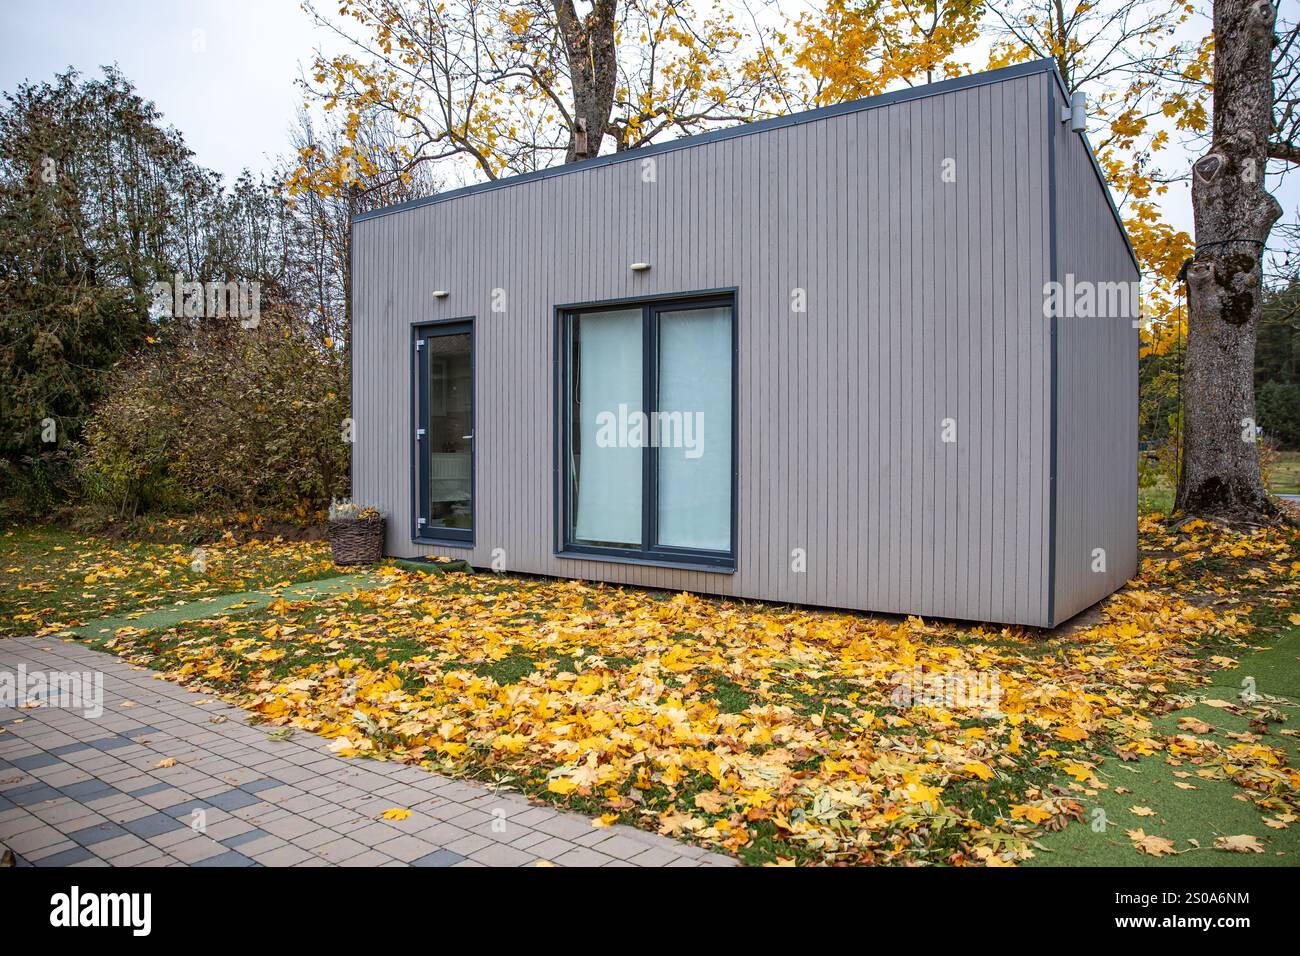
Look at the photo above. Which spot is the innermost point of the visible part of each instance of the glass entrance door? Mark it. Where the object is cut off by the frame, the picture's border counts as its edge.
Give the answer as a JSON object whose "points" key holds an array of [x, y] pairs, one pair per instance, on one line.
{"points": [[445, 434]]}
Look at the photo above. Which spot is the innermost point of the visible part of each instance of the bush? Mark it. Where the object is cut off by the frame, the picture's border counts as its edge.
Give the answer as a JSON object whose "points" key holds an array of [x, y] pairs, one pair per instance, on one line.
{"points": [[35, 484], [132, 438], [217, 417]]}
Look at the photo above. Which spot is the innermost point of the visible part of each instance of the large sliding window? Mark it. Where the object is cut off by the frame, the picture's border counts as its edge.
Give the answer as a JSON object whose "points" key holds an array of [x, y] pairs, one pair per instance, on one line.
{"points": [[648, 431], [444, 433]]}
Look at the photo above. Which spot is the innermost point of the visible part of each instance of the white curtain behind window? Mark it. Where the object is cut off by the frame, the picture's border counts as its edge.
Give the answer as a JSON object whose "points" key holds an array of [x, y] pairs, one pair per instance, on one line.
{"points": [[609, 478], [695, 380]]}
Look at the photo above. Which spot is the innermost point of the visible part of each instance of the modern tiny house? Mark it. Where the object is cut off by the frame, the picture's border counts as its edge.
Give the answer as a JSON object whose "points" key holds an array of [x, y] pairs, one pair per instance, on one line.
{"points": [[818, 359]]}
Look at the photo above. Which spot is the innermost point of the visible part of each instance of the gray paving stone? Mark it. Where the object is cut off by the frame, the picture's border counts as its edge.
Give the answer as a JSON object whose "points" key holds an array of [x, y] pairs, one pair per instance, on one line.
{"points": [[153, 825], [33, 794], [620, 847], [129, 812], [303, 803], [165, 841], [530, 838], [35, 760], [582, 856], [67, 857], [369, 858], [566, 827], [284, 855], [654, 856], [438, 858], [468, 844], [147, 789], [315, 838], [97, 833], [443, 833], [118, 846], [229, 858], [82, 822], [196, 849], [146, 856], [223, 830], [233, 799], [497, 854], [339, 849], [373, 834], [254, 842], [35, 839], [406, 848], [59, 812], [290, 826]]}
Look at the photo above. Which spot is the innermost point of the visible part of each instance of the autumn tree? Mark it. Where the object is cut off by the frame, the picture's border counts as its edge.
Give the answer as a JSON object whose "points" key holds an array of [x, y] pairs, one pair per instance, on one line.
{"points": [[849, 49], [494, 88], [336, 172], [1145, 73], [1254, 121]]}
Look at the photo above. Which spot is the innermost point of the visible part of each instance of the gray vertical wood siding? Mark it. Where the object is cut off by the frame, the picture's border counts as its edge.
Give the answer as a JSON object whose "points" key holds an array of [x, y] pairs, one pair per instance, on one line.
{"points": [[924, 304], [1096, 395]]}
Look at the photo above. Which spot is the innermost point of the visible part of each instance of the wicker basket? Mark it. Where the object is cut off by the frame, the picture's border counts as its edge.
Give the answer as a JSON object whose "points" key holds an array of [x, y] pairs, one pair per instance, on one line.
{"points": [[357, 540]]}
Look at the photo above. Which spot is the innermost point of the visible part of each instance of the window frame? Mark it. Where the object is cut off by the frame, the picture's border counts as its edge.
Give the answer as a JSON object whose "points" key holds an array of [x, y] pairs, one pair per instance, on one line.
{"points": [[421, 531], [649, 552]]}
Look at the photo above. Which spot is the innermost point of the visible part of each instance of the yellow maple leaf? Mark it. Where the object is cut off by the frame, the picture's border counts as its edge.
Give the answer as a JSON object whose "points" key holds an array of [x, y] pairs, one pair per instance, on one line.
{"points": [[1151, 844], [587, 684], [1242, 843], [1021, 811], [396, 813], [561, 785], [711, 801]]}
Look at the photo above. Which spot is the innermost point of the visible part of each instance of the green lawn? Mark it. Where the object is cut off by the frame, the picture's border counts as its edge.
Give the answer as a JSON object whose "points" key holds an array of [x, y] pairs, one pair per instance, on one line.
{"points": [[1158, 499], [1188, 805], [1285, 479], [52, 579]]}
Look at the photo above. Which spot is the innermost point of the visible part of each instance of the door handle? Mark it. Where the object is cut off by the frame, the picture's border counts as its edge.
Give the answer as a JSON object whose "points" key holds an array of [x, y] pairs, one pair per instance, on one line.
{"points": [[469, 437]]}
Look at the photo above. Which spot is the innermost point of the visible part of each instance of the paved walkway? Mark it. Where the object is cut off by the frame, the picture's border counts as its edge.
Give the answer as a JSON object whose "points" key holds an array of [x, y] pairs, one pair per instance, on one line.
{"points": [[166, 777]]}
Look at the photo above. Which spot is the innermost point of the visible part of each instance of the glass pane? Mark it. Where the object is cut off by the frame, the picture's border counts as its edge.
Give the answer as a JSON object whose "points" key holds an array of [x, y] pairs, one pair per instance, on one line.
{"points": [[604, 395], [692, 429], [450, 438]]}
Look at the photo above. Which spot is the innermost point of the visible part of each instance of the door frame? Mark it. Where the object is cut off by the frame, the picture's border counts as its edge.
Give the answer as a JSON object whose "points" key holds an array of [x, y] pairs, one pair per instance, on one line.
{"points": [[421, 531]]}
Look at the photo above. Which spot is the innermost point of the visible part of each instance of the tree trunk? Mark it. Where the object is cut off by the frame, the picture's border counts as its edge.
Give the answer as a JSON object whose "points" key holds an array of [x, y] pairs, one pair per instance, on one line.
{"points": [[589, 43], [1233, 216]]}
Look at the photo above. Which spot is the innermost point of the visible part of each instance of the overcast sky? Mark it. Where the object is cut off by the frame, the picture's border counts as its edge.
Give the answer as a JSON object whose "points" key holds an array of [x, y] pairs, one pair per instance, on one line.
{"points": [[223, 71], [220, 71]]}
